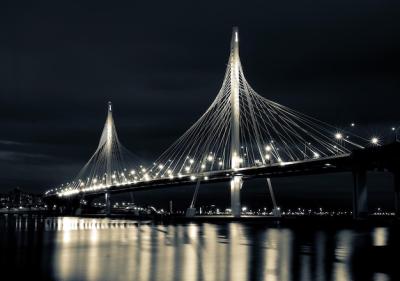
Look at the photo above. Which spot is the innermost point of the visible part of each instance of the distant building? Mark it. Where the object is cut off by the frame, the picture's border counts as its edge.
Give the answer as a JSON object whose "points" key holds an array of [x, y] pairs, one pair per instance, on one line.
{"points": [[17, 198], [4, 199]]}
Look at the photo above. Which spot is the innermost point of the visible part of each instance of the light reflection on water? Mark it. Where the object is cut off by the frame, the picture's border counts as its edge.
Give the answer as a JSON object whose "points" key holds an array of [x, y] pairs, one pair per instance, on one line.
{"points": [[70, 248]]}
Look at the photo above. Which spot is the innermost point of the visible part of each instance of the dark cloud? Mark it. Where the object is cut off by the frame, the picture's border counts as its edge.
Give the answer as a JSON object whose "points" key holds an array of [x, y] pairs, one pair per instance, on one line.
{"points": [[161, 63]]}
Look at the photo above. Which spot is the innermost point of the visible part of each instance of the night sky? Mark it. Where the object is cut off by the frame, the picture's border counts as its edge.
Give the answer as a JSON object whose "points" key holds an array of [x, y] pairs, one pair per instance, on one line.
{"points": [[162, 63]]}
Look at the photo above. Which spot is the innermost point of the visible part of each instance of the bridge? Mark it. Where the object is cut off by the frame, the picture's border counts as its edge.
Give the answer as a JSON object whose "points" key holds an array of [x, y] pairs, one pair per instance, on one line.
{"points": [[242, 135]]}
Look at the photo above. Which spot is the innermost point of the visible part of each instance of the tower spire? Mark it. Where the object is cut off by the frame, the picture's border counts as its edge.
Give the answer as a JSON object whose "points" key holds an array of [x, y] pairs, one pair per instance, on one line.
{"points": [[235, 41]]}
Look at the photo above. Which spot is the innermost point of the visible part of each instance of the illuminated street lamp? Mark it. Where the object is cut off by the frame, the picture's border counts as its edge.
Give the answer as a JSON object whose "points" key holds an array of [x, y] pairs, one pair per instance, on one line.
{"points": [[338, 137], [375, 141], [395, 130]]}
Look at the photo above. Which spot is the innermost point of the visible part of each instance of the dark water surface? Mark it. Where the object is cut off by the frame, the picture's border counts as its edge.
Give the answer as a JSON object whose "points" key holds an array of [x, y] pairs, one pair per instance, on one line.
{"points": [[69, 248]]}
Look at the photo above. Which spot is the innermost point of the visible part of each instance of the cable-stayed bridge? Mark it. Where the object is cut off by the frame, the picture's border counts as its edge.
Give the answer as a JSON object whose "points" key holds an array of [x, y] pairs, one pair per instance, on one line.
{"points": [[240, 136]]}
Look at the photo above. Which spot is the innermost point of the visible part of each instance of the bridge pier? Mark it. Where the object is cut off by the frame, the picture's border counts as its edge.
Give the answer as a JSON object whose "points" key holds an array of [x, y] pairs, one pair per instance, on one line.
{"points": [[236, 185], [107, 196], [396, 182], [360, 192], [79, 210], [276, 211], [191, 211]]}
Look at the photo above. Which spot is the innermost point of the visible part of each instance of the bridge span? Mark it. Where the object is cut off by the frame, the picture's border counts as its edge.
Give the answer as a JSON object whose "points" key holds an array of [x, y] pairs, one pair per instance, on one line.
{"points": [[242, 135], [359, 163]]}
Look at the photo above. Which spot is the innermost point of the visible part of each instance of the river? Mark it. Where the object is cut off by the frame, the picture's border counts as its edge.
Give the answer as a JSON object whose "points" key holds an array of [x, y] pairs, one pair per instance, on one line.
{"points": [[72, 248]]}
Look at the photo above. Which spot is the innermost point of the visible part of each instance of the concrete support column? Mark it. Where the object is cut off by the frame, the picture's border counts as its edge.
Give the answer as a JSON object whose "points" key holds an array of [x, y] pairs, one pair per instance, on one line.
{"points": [[396, 176], [191, 211], [108, 203], [78, 210], [276, 211], [360, 204], [236, 185]]}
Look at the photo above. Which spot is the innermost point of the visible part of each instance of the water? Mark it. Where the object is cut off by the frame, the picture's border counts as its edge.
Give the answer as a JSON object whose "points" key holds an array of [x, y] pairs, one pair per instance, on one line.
{"points": [[70, 248]]}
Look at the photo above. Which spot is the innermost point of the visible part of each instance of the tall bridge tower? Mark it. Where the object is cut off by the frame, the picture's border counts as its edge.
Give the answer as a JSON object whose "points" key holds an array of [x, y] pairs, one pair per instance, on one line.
{"points": [[234, 63]]}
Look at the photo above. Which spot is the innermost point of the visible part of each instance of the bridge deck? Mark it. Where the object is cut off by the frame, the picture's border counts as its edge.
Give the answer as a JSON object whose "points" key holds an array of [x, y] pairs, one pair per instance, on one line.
{"points": [[317, 166], [370, 158]]}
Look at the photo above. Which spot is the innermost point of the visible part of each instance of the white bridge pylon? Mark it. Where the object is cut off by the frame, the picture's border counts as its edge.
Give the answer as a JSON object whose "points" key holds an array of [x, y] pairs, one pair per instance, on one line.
{"points": [[234, 64], [110, 165]]}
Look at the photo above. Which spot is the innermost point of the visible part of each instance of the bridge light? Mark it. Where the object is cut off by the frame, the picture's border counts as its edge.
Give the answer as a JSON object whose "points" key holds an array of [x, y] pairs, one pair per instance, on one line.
{"points": [[268, 148], [393, 129], [352, 124], [220, 163], [192, 178], [267, 156], [206, 178], [191, 161], [203, 166], [187, 169], [161, 166], [169, 172], [210, 158], [316, 155], [375, 140], [338, 136]]}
